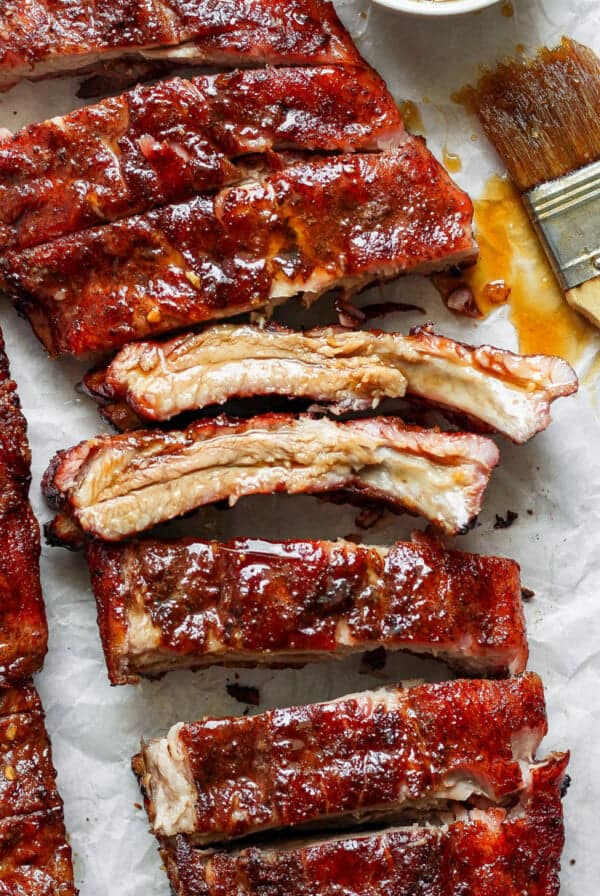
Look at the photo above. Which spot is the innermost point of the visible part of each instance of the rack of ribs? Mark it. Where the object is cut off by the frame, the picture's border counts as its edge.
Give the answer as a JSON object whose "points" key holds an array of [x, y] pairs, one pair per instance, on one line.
{"points": [[378, 754], [42, 39], [340, 222], [187, 604], [513, 851], [113, 487], [346, 370], [35, 857], [165, 142], [23, 628]]}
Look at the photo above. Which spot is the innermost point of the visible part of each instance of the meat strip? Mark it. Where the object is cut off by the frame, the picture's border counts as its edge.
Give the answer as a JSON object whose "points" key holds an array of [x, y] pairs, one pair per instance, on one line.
{"points": [[479, 851], [23, 628], [164, 142], [375, 754], [337, 222], [349, 370], [187, 604], [42, 38], [116, 486], [35, 857]]}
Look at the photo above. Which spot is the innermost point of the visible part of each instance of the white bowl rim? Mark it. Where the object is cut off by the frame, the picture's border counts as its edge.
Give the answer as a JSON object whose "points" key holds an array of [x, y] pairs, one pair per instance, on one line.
{"points": [[436, 7]]}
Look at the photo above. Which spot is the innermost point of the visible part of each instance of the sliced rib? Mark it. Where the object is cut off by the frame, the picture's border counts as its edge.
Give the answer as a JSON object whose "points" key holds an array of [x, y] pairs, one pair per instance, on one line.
{"points": [[187, 604], [163, 143], [41, 38], [512, 852], [23, 628], [350, 370], [35, 857], [115, 486], [374, 754], [338, 222]]}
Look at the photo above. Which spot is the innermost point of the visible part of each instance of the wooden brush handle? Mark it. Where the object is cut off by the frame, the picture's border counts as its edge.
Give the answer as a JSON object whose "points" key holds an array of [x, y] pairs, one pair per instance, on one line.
{"points": [[586, 299]]}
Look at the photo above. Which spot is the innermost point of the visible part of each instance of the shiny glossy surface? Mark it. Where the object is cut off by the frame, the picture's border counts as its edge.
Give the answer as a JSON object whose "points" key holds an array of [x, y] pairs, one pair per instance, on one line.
{"points": [[35, 858], [210, 600], [308, 763], [488, 853], [62, 35], [165, 142], [346, 220], [23, 629], [116, 486]]}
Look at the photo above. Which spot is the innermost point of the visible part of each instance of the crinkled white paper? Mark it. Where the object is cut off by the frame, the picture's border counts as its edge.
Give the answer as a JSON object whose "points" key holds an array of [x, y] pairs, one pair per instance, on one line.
{"points": [[553, 483]]}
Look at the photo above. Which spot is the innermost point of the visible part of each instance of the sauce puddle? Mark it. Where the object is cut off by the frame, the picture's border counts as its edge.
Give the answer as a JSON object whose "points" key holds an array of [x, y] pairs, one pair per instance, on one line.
{"points": [[513, 268]]}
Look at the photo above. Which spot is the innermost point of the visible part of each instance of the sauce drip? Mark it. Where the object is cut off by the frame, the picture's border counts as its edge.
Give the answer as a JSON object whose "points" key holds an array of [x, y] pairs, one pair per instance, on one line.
{"points": [[513, 267], [452, 161], [412, 117], [507, 9]]}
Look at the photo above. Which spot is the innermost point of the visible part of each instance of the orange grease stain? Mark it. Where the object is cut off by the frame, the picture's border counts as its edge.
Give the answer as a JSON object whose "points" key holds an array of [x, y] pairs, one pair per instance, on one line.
{"points": [[507, 9], [452, 161], [412, 117], [513, 267]]}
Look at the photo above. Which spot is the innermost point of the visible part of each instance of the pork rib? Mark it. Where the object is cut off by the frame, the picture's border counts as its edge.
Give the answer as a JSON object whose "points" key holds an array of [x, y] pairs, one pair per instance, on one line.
{"points": [[35, 857], [378, 753], [350, 370], [186, 604], [482, 851], [163, 143], [41, 38], [23, 628], [338, 222], [115, 486]]}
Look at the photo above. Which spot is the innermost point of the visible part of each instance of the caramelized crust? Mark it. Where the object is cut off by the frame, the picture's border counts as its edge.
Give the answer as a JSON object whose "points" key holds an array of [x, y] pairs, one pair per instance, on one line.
{"points": [[339, 222], [369, 754], [165, 142], [116, 486], [23, 629], [188, 604], [349, 370], [45, 37], [484, 852], [35, 858]]}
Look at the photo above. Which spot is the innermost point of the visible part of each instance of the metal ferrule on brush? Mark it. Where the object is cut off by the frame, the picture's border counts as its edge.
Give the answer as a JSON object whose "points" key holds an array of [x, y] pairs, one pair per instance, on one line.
{"points": [[566, 215]]}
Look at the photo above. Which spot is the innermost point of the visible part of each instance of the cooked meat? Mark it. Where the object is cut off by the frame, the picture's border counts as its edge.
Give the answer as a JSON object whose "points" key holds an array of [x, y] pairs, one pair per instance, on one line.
{"points": [[375, 754], [35, 858], [350, 370], [115, 486], [165, 142], [478, 852], [23, 629], [42, 38], [337, 222], [186, 604]]}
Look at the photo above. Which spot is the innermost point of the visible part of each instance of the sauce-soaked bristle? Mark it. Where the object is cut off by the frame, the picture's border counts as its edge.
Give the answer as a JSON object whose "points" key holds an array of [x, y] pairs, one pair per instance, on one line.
{"points": [[543, 115]]}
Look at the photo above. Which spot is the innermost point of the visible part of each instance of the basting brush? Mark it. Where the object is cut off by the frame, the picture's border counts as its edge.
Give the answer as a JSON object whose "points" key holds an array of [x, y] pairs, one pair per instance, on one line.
{"points": [[543, 117]]}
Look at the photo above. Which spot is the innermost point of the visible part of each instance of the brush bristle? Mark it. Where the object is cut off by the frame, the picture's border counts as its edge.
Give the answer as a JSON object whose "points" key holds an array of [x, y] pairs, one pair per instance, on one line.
{"points": [[543, 115]]}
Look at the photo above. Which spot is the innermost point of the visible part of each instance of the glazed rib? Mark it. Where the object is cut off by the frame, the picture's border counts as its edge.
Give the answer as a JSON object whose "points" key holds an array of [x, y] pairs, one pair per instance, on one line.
{"points": [[165, 142], [187, 604], [35, 857], [116, 486], [23, 628], [511, 851], [349, 370], [375, 754], [338, 222], [41, 38]]}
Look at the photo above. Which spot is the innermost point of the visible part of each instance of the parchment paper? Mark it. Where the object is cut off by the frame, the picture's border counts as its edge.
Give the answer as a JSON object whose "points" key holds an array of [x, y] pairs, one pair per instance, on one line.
{"points": [[553, 483]]}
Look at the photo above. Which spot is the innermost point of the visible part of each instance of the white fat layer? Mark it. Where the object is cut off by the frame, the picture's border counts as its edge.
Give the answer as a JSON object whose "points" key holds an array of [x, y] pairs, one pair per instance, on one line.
{"points": [[508, 392], [131, 484], [170, 784]]}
